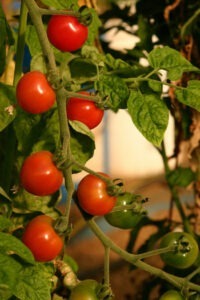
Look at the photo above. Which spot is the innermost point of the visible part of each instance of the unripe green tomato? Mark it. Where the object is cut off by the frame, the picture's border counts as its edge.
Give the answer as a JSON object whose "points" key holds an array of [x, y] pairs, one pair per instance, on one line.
{"points": [[186, 253], [85, 290], [171, 295], [127, 218]]}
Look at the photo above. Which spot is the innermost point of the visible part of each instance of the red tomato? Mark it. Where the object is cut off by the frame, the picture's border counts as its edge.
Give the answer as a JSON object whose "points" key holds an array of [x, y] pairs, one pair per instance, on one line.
{"points": [[39, 175], [84, 111], [34, 94], [93, 196], [66, 33], [40, 237]]}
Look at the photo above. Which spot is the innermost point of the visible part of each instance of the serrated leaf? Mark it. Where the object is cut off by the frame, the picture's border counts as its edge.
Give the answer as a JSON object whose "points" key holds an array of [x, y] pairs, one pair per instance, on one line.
{"points": [[9, 272], [171, 60], [181, 177], [4, 194], [34, 284], [49, 136], [37, 132], [7, 110], [61, 4], [27, 203], [149, 114], [81, 69], [114, 63], [113, 91], [9, 244], [5, 223], [32, 41], [82, 147], [38, 63], [6, 39], [190, 95], [93, 28], [81, 128]]}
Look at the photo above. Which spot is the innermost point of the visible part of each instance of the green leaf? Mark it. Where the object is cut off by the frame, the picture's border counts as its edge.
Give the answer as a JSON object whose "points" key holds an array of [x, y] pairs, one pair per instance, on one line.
{"points": [[26, 203], [11, 245], [38, 63], [5, 223], [190, 95], [4, 194], [34, 283], [113, 91], [37, 132], [81, 128], [171, 60], [9, 272], [114, 63], [7, 110], [6, 39], [49, 137], [82, 69], [149, 114], [61, 4], [181, 177], [93, 27], [82, 144], [32, 41]]}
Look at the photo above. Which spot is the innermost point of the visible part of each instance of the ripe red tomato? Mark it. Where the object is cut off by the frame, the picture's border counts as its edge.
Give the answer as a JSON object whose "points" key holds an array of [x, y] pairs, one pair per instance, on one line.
{"points": [[40, 237], [39, 175], [34, 94], [84, 111], [66, 33], [93, 196]]}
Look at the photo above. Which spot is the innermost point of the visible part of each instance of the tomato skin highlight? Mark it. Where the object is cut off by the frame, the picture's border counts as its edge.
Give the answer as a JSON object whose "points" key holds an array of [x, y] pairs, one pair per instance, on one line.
{"points": [[66, 33], [179, 259], [34, 94], [124, 219], [39, 175], [84, 111], [171, 295], [40, 237], [85, 290], [93, 197]]}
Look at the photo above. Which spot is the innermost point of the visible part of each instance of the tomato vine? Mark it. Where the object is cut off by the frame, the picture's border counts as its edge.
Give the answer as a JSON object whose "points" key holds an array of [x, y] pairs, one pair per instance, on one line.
{"points": [[32, 194]]}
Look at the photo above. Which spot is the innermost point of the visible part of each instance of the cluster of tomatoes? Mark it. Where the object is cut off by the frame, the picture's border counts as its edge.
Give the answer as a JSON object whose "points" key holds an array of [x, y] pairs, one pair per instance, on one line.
{"points": [[41, 176]]}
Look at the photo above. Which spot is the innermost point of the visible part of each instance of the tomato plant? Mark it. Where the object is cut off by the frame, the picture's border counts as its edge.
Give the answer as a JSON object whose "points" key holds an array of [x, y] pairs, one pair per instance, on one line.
{"points": [[85, 111], [40, 237], [73, 57], [125, 218], [66, 33], [171, 295], [85, 290], [186, 249], [34, 93], [39, 175], [93, 196]]}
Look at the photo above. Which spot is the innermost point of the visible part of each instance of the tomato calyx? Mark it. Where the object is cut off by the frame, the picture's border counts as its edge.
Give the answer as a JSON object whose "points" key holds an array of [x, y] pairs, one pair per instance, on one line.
{"points": [[85, 17], [115, 187], [61, 226], [182, 245]]}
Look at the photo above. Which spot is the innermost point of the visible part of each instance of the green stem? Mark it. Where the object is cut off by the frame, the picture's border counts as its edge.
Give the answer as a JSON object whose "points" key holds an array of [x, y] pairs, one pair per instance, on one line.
{"points": [[155, 252], [189, 23], [20, 42], [36, 16], [175, 197], [134, 259], [107, 266]]}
